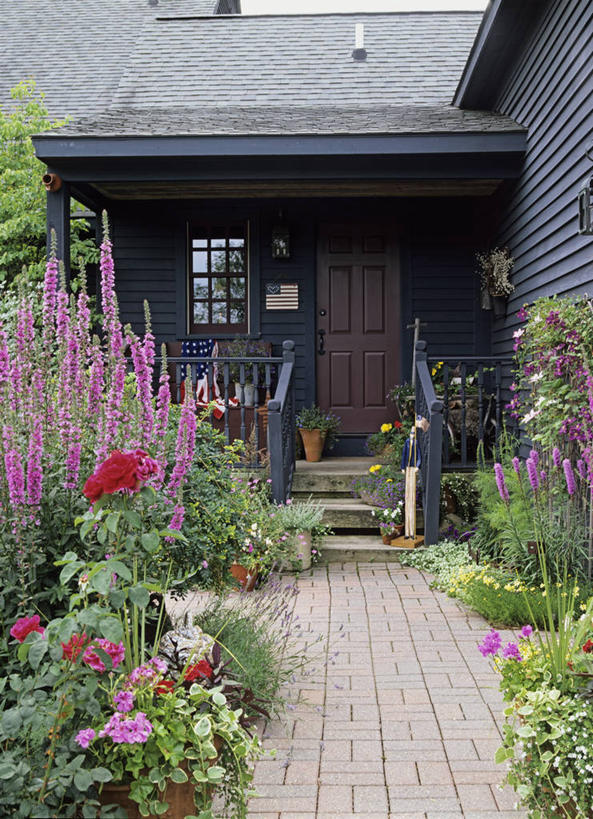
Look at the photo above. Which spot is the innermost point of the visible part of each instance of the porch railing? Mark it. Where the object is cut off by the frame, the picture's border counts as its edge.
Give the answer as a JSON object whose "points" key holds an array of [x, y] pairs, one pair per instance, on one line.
{"points": [[430, 442], [471, 389], [266, 426], [281, 427]]}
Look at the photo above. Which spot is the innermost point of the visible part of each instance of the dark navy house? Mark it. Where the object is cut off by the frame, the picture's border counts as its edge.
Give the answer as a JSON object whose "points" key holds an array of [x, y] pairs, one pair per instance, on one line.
{"points": [[326, 178]]}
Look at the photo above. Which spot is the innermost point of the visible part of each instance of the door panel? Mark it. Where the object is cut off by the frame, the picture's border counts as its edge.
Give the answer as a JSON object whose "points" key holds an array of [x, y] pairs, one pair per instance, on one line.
{"points": [[358, 295]]}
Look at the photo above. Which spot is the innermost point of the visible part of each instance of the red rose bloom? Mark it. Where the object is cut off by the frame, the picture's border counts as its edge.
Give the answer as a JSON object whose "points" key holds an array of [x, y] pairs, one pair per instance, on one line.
{"points": [[397, 424], [24, 626], [119, 471], [588, 647], [201, 670], [164, 686], [74, 646], [93, 489]]}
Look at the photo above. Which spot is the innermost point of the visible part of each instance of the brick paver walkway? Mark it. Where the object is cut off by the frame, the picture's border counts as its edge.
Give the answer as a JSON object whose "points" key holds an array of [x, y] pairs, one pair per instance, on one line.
{"points": [[402, 722]]}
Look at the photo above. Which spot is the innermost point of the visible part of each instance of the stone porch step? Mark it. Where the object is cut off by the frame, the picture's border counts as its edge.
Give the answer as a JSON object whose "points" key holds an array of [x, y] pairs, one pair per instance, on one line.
{"points": [[330, 478], [358, 548], [348, 513]]}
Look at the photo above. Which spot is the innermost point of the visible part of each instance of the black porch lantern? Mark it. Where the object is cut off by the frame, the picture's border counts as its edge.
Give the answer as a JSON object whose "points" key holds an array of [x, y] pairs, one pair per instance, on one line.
{"points": [[280, 240], [586, 207]]}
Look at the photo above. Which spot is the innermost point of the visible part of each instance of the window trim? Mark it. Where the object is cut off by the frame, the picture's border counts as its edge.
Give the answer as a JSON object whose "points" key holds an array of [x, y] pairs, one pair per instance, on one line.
{"points": [[183, 263]]}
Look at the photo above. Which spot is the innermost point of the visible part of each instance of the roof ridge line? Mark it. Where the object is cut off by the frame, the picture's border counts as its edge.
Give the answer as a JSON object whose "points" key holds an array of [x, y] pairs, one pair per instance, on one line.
{"points": [[222, 17]]}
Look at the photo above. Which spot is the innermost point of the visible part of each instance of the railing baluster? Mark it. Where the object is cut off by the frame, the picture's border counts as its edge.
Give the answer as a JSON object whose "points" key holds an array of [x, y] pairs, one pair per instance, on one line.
{"points": [[226, 376], [481, 404], [255, 379], [446, 413], [498, 401], [242, 391], [463, 415]]}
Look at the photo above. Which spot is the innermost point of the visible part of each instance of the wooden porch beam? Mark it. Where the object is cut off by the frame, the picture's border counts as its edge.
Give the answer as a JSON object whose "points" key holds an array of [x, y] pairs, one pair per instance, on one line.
{"points": [[58, 220]]}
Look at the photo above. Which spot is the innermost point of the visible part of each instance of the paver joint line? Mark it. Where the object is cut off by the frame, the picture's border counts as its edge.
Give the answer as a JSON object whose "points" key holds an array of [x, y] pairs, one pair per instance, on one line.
{"points": [[407, 720]]}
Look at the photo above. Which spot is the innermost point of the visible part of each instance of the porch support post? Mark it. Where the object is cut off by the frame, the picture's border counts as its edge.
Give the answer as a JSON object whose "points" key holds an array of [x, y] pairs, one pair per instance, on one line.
{"points": [[58, 220]]}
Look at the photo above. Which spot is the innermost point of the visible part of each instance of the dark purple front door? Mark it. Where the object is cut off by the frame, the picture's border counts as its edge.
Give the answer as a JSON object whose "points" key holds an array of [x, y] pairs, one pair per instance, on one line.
{"points": [[358, 316]]}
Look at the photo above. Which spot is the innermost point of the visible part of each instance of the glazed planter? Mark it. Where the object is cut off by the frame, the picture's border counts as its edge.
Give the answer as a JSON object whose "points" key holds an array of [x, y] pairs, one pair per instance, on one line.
{"points": [[303, 546], [246, 578], [313, 441], [245, 392]]}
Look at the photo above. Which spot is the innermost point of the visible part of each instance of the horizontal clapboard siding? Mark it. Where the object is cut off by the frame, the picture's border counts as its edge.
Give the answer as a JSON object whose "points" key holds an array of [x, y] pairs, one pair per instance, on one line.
{"points": [[144, 255], [550, 92], [296, 325], [445, 295]]}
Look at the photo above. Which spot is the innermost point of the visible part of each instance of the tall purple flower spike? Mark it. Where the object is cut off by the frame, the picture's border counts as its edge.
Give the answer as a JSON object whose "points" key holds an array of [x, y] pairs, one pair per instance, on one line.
{"points": [[532, 474], [556, 456], [569, 475], [500, 482]]}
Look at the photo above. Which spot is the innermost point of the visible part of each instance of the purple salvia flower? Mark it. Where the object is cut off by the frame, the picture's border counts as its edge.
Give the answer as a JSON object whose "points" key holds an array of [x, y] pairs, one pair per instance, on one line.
{"points": [[490, 644], [50, 288], [143, 387], [15, 477], [532, 474], [500, 482], [543, 475], [113, 414], [4, 356], [517, 466], [62, 317], [34, 465], [111, 322], [176, 521], [569, 475], [534, 455], [556, 456], [73, 462], [186, 438], [148, 337], [96, 381]]}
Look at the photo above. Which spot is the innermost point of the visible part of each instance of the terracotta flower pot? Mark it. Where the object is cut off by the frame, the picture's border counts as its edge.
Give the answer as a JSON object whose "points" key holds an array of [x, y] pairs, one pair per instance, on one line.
{"points": [[313, 441], [396, 531], [246, 578], [180, 797]]}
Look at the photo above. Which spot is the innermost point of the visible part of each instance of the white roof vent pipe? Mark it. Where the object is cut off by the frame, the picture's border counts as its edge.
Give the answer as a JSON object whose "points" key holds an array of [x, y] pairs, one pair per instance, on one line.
{"points": [[359, 53]]}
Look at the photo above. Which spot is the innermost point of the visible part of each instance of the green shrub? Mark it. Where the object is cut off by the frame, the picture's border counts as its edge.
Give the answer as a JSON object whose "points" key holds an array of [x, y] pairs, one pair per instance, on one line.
{"points": [[259, 633]]}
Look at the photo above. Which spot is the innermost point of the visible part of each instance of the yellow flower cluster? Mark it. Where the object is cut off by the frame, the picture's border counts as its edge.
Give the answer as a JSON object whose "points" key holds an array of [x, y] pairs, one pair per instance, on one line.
{"points": [[466, 575], [375, 468], [436, 368], [386, 427]]}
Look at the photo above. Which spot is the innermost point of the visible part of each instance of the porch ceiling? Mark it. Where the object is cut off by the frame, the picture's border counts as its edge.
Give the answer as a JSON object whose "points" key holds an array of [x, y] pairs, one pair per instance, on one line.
{"points": [[296, 189]]}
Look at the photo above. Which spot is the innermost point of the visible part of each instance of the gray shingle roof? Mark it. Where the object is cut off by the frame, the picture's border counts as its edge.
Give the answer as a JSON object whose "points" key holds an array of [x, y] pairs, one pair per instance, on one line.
{"points": [[76, 50], [243, 120], [413, 58]]}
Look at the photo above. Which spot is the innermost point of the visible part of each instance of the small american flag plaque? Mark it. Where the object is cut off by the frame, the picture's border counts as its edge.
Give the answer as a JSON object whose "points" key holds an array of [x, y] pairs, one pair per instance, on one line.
{"points": [[282, 296]]}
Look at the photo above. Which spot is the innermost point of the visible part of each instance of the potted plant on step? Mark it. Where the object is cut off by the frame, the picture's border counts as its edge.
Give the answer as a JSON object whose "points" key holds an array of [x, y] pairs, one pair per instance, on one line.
{"points": [[302, 520], [318, 429]]}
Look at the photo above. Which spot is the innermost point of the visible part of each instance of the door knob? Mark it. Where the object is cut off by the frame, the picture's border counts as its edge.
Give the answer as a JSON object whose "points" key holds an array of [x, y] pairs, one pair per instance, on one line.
{"points": [[321, 347]]}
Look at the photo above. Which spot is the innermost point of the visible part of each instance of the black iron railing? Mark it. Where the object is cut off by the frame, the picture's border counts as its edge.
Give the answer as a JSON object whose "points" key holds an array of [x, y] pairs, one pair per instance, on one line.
{"points": [[429, 408], [471, 389], [281, 427]]}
